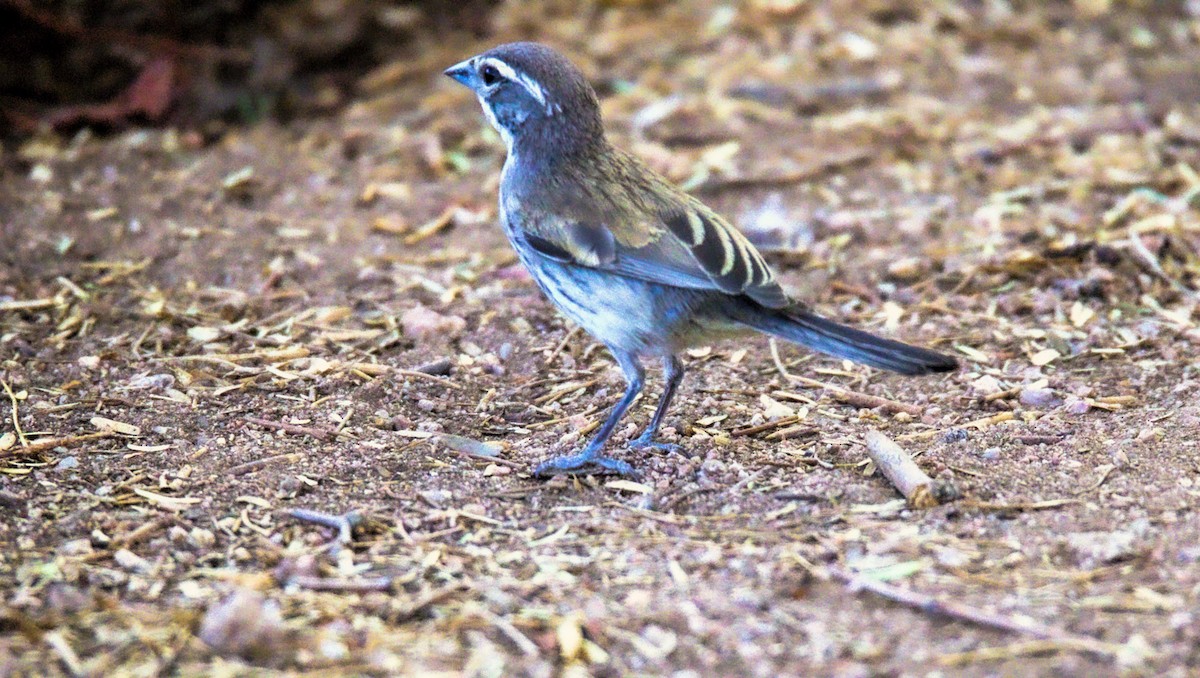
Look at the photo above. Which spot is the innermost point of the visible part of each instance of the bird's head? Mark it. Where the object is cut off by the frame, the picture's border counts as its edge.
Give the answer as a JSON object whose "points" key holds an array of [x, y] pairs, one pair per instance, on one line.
{"points": [[535, 98]]}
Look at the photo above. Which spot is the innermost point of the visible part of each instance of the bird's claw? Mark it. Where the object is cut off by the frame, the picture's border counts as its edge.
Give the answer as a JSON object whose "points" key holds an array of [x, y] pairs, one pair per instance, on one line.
{"points": [[646, 442], [579, 463]]}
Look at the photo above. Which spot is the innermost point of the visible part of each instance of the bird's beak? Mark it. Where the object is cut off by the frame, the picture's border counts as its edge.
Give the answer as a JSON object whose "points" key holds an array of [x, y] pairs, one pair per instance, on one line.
{"points": [[462, 72]]}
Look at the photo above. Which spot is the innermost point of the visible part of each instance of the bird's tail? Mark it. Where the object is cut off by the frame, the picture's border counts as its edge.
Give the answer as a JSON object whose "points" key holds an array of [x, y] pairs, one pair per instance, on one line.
{"points": [[826, 336]]}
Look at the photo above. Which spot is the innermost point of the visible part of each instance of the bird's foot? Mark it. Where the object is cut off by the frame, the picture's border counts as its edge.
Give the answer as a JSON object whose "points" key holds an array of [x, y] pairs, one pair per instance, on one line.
{"points": [[579, 463], [646, 441]]}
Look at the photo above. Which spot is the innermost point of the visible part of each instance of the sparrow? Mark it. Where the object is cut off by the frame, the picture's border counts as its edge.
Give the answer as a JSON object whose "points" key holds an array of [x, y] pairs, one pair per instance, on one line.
{"points": [[642, 266]]}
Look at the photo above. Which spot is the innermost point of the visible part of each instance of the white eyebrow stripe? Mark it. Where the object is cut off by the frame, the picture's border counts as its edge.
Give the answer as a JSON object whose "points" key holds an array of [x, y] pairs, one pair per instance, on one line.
{"points": [[508, 72]]}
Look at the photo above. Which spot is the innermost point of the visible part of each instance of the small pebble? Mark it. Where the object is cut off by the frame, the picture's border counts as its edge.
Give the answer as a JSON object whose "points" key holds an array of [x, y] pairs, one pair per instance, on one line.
{"points": [[131, 561], [1077, 406], [67, 463], [1042, 398], [955, 435], [991, 453]]}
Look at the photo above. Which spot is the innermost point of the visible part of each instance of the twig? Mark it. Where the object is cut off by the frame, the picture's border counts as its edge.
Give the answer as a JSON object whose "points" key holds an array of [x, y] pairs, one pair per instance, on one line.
{"points": [[977, 424], [520, 640], [427, 377], [1150, 262], [432, 598], [861, 399], [243, 469], [1003, 652], [51, 443], [961, 612], [318, 433], [144, 531], [432, 226], [344, 524], [341, 585], [375, 370], [917, 487], [843, 394], [788, 178], [1019, 506], [16, 419], [565, 390], [733, 489], [768, 426], [66, 655], [26, 305], [266, 355], [563, 344]]}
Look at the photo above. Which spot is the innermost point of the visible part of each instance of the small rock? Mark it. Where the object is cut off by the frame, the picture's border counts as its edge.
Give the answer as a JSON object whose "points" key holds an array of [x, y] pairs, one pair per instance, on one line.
{"points": [[470, 446], [955, 435], [990, 454], [131, 561], [1098, 548], [76, 547], [907, 269], [436, 498], [986, 385], [67, 463], [421, 323], [177, 535], [1077, 406], [151, 382], [1041, 398], [201, 537], [439, 367], [773, 409], [496, 470], [245, 625]]}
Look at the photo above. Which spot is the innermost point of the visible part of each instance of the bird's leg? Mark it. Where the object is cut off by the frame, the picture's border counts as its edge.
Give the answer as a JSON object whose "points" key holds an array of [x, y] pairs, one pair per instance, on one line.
{"points": [[672, 375], [590, 455]]}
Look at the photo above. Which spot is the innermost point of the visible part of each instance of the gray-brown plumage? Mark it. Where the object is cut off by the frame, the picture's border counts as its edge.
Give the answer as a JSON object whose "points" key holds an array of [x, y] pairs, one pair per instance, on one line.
{"points": [[641, 265]]}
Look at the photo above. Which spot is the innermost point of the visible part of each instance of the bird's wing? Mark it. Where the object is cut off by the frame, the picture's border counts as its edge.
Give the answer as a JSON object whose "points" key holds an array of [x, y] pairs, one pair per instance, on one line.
{"points": [[684, 244]]}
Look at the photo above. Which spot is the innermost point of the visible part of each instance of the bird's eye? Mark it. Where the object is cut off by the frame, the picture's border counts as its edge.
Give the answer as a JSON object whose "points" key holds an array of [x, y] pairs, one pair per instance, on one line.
{"points": [[490, 75]]}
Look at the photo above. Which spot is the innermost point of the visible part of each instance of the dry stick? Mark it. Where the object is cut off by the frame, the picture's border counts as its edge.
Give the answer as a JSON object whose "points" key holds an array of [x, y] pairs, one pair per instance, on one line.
{"points": [[16, 419], [267, 355], [242, 469], [375, 369], [862, 399], [51, 443], [66, 655], [786, 179], [341, 585], [958, 611], [896, 464], [26, 305], [490, 459], [344, 524], [844, 394], [562, 345], [768, 426], [520, 640], [318, 433], [1147, 260], [432, 598]]}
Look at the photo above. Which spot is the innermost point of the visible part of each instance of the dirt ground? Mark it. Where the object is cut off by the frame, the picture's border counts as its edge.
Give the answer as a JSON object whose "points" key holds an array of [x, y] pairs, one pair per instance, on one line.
{"points": [[200, 338]]}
